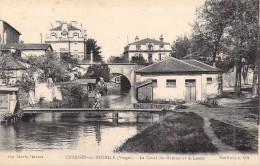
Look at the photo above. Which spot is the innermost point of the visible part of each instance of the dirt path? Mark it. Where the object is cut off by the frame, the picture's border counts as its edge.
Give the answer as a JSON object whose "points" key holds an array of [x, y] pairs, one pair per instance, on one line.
{"points": [[215, 140], [230, 115]]}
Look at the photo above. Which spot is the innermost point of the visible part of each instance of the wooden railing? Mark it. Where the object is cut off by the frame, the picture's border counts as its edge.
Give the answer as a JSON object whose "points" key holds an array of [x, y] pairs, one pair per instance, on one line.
{"points": [[148, 81]]}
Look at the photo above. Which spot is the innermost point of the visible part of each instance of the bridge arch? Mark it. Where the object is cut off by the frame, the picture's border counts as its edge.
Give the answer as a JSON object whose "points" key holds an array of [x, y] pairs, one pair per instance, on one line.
{"points": [[122, 79], [126, 69]]}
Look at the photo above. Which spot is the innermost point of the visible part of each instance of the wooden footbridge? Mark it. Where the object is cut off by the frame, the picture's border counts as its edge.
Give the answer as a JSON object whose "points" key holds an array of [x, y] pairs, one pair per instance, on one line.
{"points": [[115, 112], [32, 110]]}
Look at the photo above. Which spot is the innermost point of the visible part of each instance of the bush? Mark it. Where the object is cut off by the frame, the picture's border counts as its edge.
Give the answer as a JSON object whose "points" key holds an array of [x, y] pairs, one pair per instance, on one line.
{"points": [[72, 91]]}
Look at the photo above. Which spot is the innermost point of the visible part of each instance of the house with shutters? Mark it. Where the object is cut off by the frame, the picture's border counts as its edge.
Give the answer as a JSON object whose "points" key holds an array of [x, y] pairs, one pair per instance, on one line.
{"points": [[150, 49], [174, 79]]}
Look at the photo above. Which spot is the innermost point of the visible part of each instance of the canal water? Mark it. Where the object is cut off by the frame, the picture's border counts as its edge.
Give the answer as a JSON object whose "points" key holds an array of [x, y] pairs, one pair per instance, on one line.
{"points": [[77, 132]]}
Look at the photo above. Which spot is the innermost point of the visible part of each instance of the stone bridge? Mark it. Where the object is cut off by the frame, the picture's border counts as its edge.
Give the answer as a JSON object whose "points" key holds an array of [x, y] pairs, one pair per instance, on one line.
{"points": [[126, 69]]}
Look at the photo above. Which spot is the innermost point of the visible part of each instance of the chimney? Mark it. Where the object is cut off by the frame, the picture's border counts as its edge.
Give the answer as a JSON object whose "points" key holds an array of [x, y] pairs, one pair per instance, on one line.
{"points": [[64, 26], [85, 33], [91, 57], [74, 23], [161, 38], [136, 38]]}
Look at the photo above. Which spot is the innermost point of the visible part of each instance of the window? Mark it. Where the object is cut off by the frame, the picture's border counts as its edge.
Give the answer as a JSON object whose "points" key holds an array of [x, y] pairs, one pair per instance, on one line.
{"points": [[171, 83], [209, 80], [5, 81], [154, 82], [150, 47]]}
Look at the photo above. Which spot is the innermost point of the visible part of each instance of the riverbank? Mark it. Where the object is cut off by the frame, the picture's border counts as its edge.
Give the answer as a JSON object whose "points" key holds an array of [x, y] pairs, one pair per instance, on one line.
{"points": [[230, 126], [70, 94], [178, 132]]}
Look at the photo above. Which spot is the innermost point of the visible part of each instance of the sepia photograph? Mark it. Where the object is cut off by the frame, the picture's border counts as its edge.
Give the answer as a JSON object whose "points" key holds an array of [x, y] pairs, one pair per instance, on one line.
{"points": [[129, 82]]}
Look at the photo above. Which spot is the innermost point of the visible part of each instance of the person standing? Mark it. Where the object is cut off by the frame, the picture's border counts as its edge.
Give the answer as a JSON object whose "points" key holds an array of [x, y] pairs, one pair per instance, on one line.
{"points": [[97, 100]]}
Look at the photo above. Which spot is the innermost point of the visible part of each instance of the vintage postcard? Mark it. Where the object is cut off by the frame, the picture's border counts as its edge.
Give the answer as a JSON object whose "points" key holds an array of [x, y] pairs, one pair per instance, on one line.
{"points": [[130, 82]]}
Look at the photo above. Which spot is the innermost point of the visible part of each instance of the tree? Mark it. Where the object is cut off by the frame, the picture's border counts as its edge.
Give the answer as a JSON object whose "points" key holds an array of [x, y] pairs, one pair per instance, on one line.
{"points": [[91, 45], [244, 36], [116, 59], [98, 70], [181, 47], [50, 64], [138, 60], [230, 27], [212, 21]]}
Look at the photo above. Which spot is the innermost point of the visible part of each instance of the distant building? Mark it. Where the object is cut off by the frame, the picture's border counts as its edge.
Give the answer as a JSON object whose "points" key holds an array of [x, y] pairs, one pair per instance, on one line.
{"points": [[150, 49], [174, 79], [8, 34], [27, 49], [66, 39], [11, 70]]}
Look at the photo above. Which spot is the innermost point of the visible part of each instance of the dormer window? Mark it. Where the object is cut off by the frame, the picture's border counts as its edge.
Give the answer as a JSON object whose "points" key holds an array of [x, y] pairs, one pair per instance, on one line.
{"points": [[53, 34], [161, 45], [64, 33], [75, 34], [150, 47], [138, 47]]}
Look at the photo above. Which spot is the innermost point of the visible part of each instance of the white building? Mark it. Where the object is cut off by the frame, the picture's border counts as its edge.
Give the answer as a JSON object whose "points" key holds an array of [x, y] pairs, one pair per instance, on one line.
{"points": [[188, 80], [66, 39], [150, 49]]}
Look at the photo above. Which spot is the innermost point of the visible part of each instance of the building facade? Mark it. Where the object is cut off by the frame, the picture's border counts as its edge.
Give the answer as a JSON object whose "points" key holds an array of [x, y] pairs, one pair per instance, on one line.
{"points": [[12, 72], [66, 39], [8, 34], [150, 49], [26, 50], [188, 80]]}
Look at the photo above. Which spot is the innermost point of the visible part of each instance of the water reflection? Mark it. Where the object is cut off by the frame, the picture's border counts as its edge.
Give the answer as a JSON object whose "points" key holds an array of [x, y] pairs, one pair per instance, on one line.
{"points": [[84, 132], [81, 132], [115, 98]]}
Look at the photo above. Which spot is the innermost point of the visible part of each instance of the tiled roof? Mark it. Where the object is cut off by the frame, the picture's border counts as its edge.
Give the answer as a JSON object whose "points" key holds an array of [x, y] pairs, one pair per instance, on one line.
{"points": [[18, 46], [173, 65], [10, 62], [59, 28], [202, 65], [148, 40]]}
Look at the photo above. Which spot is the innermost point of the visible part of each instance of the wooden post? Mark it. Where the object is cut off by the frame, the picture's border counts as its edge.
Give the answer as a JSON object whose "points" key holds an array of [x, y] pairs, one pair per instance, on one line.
{"points": [[115, 117]]}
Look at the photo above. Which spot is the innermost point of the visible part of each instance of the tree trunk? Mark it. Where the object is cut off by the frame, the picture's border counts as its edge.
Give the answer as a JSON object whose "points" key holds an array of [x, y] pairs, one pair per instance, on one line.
{"points": [[255, 78], [237, 88], [244, 73]]}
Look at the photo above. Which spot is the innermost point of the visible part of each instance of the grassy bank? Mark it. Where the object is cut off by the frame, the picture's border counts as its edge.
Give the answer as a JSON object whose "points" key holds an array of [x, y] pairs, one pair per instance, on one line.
{"points": [[176, 133], [233, 136]]}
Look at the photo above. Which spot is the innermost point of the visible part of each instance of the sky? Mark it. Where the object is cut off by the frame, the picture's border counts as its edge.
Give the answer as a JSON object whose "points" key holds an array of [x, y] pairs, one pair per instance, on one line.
{"points": [[113, 23]]}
